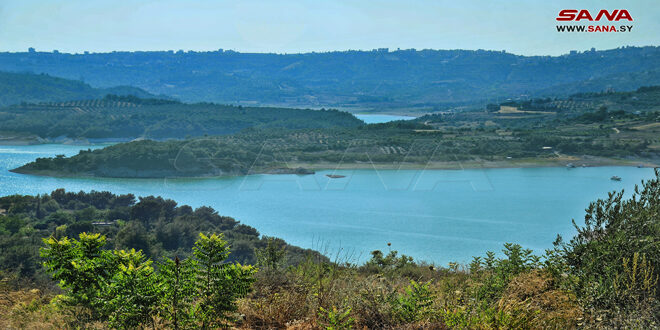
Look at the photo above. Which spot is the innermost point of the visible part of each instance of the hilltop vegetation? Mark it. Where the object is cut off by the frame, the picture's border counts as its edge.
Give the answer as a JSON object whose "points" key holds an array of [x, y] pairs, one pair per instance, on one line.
{"points": [[644, 99], [617, 82], [16, 88], [548, 112], [379, 79], [606, 276], [430, 141], [130, 117]]}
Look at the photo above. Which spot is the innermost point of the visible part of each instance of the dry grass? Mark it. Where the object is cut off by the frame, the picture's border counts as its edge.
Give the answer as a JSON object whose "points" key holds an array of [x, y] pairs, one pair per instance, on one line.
{"points": [[647, 127], [513, 110], [531, 300], [28, 309], [291, 299], [534, 295]]}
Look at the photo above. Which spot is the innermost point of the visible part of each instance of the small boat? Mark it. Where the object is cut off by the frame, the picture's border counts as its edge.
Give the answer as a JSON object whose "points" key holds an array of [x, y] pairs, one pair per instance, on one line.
{"points": [[615, 178], [335, 176], [570, 165], [640, 166]]}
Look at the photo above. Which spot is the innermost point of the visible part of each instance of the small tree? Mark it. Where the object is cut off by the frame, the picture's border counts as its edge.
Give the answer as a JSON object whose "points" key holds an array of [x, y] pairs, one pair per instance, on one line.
{"points": [[123, 288], [81, 267], [271, 257], [178, 291], [132, 294], [218, 283]]}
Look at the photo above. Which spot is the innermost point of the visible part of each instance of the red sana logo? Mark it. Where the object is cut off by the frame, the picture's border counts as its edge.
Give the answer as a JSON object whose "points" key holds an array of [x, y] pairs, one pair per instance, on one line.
{"points": [[575, 15]]}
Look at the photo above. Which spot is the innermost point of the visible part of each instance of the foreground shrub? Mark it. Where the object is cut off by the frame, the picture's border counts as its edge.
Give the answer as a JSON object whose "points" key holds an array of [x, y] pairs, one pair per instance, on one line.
{"points": [[614, 260], [415, 304], [122, 287]]}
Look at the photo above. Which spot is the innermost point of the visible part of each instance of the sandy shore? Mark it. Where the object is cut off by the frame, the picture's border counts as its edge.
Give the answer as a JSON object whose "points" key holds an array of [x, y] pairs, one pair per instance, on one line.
{"points": [[584, 161], [306, 169]]}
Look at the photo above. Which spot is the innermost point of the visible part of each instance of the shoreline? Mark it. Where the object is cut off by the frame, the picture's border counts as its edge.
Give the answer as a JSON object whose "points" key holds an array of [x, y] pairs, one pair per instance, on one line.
{"points": [[70, 142], [311, 169]]}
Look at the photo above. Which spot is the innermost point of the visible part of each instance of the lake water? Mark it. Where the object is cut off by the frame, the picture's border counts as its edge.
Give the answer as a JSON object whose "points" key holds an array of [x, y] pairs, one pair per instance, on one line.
{"points": [[379, 118], [436, 215]]}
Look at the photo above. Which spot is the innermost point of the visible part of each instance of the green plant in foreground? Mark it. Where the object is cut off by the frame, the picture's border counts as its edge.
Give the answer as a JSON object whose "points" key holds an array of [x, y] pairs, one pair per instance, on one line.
{"points": [[131, 296], [499, 271], [416, 303], [123, 288], [178, 287], [614, 256], [82, 269], [218, 283], [336, 319], [271, 257]]}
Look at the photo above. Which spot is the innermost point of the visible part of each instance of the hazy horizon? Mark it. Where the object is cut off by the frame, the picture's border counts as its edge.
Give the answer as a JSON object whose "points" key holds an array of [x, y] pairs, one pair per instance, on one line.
{"points": [[308, 52], [289, 26]]}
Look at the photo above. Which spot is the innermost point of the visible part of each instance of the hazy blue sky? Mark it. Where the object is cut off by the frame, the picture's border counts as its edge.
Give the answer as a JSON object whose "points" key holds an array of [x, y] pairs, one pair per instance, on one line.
{"points": [[522, 27]]}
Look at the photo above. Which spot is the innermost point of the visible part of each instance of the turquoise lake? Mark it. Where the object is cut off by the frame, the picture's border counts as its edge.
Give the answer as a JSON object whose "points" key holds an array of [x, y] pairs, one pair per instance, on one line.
{"points": [[434, 215], [380, 118]]}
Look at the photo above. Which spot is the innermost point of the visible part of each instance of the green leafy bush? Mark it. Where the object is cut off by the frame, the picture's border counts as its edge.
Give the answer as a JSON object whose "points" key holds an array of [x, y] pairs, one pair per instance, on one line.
{"points": [[613, 261], [122, 288], [415, 304], [335, 319]]}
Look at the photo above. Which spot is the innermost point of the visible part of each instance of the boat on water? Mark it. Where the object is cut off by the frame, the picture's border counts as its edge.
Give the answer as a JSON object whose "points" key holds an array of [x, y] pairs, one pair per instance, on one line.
{"points": [[570, 165], [335, 176], [615, 178]]}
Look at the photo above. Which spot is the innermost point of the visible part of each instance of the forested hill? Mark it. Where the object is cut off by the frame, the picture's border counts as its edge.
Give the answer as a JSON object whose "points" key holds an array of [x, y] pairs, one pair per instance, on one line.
{"points": [[17, 88], [644, 99], [374, 79], [130, 117], [595, 135], [159, 227]]}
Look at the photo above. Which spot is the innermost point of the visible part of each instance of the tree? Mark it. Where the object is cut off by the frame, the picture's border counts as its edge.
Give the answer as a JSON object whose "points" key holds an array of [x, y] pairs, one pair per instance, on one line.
{"points": [[131, 295], [81, 267], [178, 291], [123, 288], [218, 283], [271, 257]]}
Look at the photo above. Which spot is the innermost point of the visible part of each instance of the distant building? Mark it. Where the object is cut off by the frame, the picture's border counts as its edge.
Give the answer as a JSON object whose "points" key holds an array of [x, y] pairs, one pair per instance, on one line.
{"points": [[102, 223]]}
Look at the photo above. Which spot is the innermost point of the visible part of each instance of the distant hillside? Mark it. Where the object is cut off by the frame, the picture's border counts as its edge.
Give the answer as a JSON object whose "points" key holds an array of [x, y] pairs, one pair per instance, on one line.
{"points": [[379, 79], [613, 82], [16, 88], [536, 112], [644, 99], [129, 117]]}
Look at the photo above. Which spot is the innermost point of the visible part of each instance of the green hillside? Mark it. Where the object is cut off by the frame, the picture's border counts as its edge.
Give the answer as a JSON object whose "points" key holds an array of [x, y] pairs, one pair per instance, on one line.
{"points": [[17, 88], [382, 79], [129, 117], [413, 144]]}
